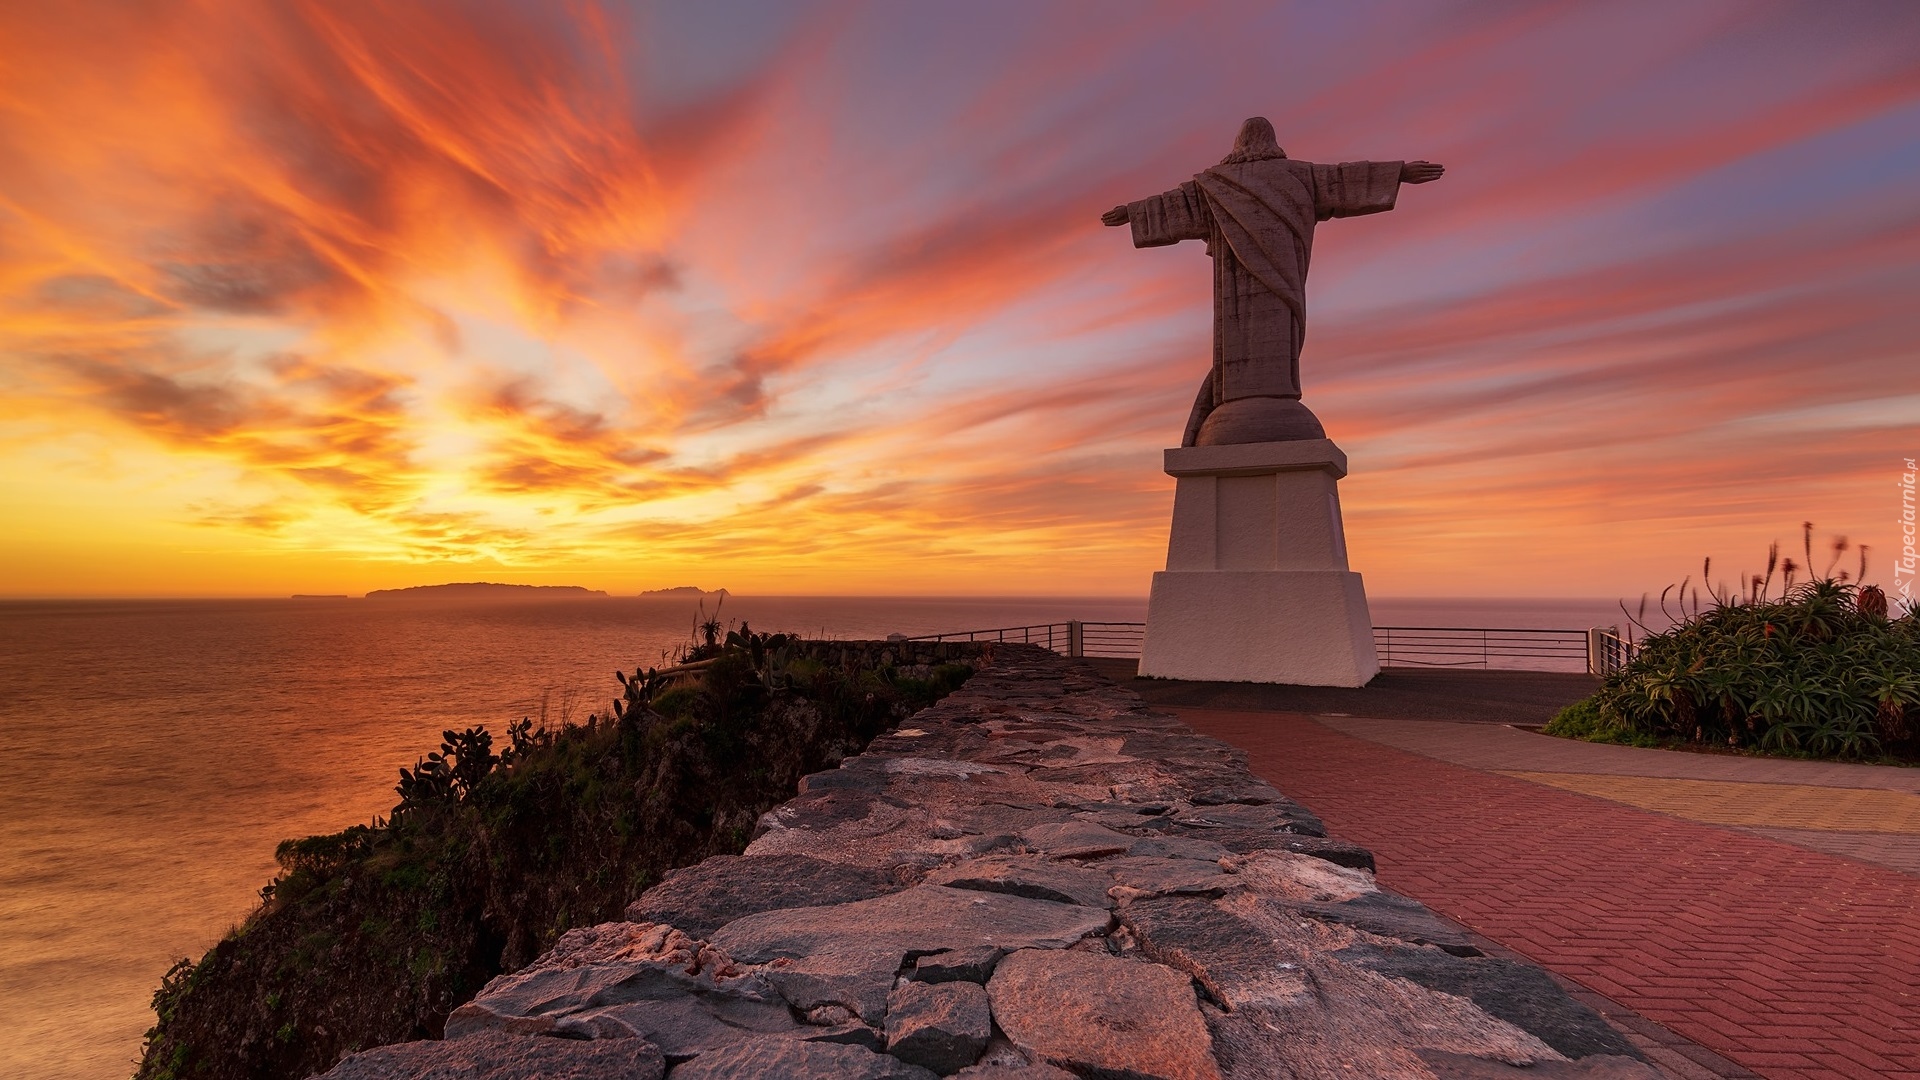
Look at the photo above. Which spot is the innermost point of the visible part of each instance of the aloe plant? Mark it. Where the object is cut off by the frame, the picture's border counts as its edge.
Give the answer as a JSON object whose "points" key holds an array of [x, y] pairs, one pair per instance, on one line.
{"points": [[1818, 668]]}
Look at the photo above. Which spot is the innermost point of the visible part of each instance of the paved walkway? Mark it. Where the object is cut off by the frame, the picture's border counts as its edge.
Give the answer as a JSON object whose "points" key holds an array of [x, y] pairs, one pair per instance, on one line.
{"points": [[1685, 887], [1868, 812]]}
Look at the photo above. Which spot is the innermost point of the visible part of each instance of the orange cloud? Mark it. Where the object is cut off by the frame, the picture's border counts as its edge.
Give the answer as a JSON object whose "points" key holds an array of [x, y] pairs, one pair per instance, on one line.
{"points": [[620, 293]]}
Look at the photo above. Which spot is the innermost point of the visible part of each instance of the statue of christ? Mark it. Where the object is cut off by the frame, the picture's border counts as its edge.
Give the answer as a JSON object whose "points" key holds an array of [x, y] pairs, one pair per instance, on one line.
{"points": [[1256, 211]]}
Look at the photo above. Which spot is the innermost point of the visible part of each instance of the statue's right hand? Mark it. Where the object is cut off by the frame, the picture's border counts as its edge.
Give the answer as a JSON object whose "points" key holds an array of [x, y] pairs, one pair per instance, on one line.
{"points": [[1116, 216], [1420, 172]]}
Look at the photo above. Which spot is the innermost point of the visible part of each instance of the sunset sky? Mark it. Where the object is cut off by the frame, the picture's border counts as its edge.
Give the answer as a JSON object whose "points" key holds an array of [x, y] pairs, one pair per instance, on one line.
{"points": [[327, 297]]}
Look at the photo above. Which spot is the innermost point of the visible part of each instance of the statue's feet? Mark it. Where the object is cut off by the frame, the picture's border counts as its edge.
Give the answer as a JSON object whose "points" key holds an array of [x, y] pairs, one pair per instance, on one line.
{"points": [[1258, 420]]}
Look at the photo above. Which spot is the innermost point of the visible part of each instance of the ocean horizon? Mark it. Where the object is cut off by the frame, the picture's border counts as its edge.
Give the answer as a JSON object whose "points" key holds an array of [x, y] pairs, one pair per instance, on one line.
{"points": [[161, 748]]}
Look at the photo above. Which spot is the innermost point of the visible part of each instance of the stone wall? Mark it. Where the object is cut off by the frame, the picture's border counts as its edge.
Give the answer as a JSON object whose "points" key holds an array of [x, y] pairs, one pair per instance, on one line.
{"points": [[1039, 877]]}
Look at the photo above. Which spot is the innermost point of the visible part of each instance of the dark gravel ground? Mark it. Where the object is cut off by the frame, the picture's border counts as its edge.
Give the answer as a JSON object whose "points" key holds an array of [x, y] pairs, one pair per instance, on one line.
{"points": [[1490, 697]]}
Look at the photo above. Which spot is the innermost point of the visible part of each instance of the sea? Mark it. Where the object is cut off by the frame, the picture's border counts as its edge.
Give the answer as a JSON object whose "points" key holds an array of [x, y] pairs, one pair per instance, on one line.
{"points": [[153, 752]]}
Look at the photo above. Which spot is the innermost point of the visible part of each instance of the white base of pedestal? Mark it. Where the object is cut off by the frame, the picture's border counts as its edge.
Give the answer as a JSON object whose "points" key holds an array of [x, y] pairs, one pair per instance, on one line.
{"points": [[1305, 627]]}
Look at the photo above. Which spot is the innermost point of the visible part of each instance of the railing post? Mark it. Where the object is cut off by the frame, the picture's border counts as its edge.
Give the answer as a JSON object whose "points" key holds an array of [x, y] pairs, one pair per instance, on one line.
{"points": [[1596, 651], [1076, 638]]}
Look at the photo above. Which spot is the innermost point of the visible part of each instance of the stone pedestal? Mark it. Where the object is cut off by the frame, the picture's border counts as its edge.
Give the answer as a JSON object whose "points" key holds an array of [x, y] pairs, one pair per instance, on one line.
{"points": [[1256, 587]]}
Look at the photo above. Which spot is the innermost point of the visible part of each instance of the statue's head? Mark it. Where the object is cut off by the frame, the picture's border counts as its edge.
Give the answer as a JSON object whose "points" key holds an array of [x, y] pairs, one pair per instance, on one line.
{"points": [[1257, 142]]}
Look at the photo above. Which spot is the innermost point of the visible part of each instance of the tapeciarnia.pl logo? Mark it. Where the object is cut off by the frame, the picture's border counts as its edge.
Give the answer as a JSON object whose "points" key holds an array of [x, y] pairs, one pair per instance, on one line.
{"points": [[1903, 567]]}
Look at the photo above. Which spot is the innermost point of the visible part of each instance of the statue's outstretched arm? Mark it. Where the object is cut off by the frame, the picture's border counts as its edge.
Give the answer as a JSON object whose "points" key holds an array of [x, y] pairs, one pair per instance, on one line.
{"points": [[1166, 218], [1202, 405]]}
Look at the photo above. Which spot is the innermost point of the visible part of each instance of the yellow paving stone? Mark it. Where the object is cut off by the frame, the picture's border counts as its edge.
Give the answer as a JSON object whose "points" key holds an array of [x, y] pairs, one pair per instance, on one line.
{"points": [[1725, 802]]}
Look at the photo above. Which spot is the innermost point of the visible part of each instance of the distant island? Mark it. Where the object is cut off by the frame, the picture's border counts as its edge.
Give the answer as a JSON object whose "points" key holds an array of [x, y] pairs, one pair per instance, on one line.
{"points": [[690, 591], [487, 590]]}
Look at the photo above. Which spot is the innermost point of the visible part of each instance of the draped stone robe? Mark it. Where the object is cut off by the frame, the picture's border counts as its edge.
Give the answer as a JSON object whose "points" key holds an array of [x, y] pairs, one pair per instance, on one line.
{"points": [[1257, 218]]}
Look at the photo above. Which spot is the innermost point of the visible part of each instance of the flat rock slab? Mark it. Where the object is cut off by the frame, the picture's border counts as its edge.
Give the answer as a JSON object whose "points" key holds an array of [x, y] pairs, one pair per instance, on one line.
{"points": [[701, 899], [626, 981], [923, 919], [848, 954], [939, 1026], [1099, 1015], [1387, 915], [1520, 994], [785, 1059], [1033, 876], [646, 1001], [1154, 876], [1445, 1066], [493, 1055], [1300, 1010], [1178, 847], [1245, 841], [1077, 840], [1283, 816], [974, 965], [1014, 1072], [1257, 793], [1290, 876], [1233, 961]]}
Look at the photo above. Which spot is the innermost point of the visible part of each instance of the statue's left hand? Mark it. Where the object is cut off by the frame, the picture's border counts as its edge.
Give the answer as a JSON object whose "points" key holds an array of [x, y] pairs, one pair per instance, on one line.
{"points": [[1116, 216], [1420, 172]]}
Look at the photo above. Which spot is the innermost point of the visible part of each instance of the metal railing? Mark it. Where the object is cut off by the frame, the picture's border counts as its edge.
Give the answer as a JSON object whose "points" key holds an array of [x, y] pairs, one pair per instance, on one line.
{"points": [[1596, 651], [1608, 651], [1074, 638], [1455, 646]]}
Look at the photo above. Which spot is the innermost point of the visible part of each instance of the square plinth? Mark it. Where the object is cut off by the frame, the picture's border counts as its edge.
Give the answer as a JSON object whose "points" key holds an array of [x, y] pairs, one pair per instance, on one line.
{"points": [[1257, 587], [1304, 627]]}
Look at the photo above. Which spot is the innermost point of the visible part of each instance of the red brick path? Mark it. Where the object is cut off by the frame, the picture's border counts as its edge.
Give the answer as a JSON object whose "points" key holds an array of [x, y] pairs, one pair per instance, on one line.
{"points": [[1790, 962]]}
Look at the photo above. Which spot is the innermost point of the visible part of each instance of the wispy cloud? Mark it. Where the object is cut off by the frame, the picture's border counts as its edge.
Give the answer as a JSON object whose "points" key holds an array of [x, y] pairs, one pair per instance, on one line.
{"points": [[596, 290]]}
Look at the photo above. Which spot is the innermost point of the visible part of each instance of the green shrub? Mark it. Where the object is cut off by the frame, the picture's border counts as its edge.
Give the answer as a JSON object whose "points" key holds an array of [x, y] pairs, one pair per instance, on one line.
{"points": [[1586, 721], [1819, 670], [1580, 720], [678, 702], [374, 934]]}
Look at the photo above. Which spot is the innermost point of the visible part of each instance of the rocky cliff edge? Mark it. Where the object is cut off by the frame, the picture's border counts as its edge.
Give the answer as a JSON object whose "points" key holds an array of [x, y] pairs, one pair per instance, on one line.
{"points": [[1039, 878]]}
